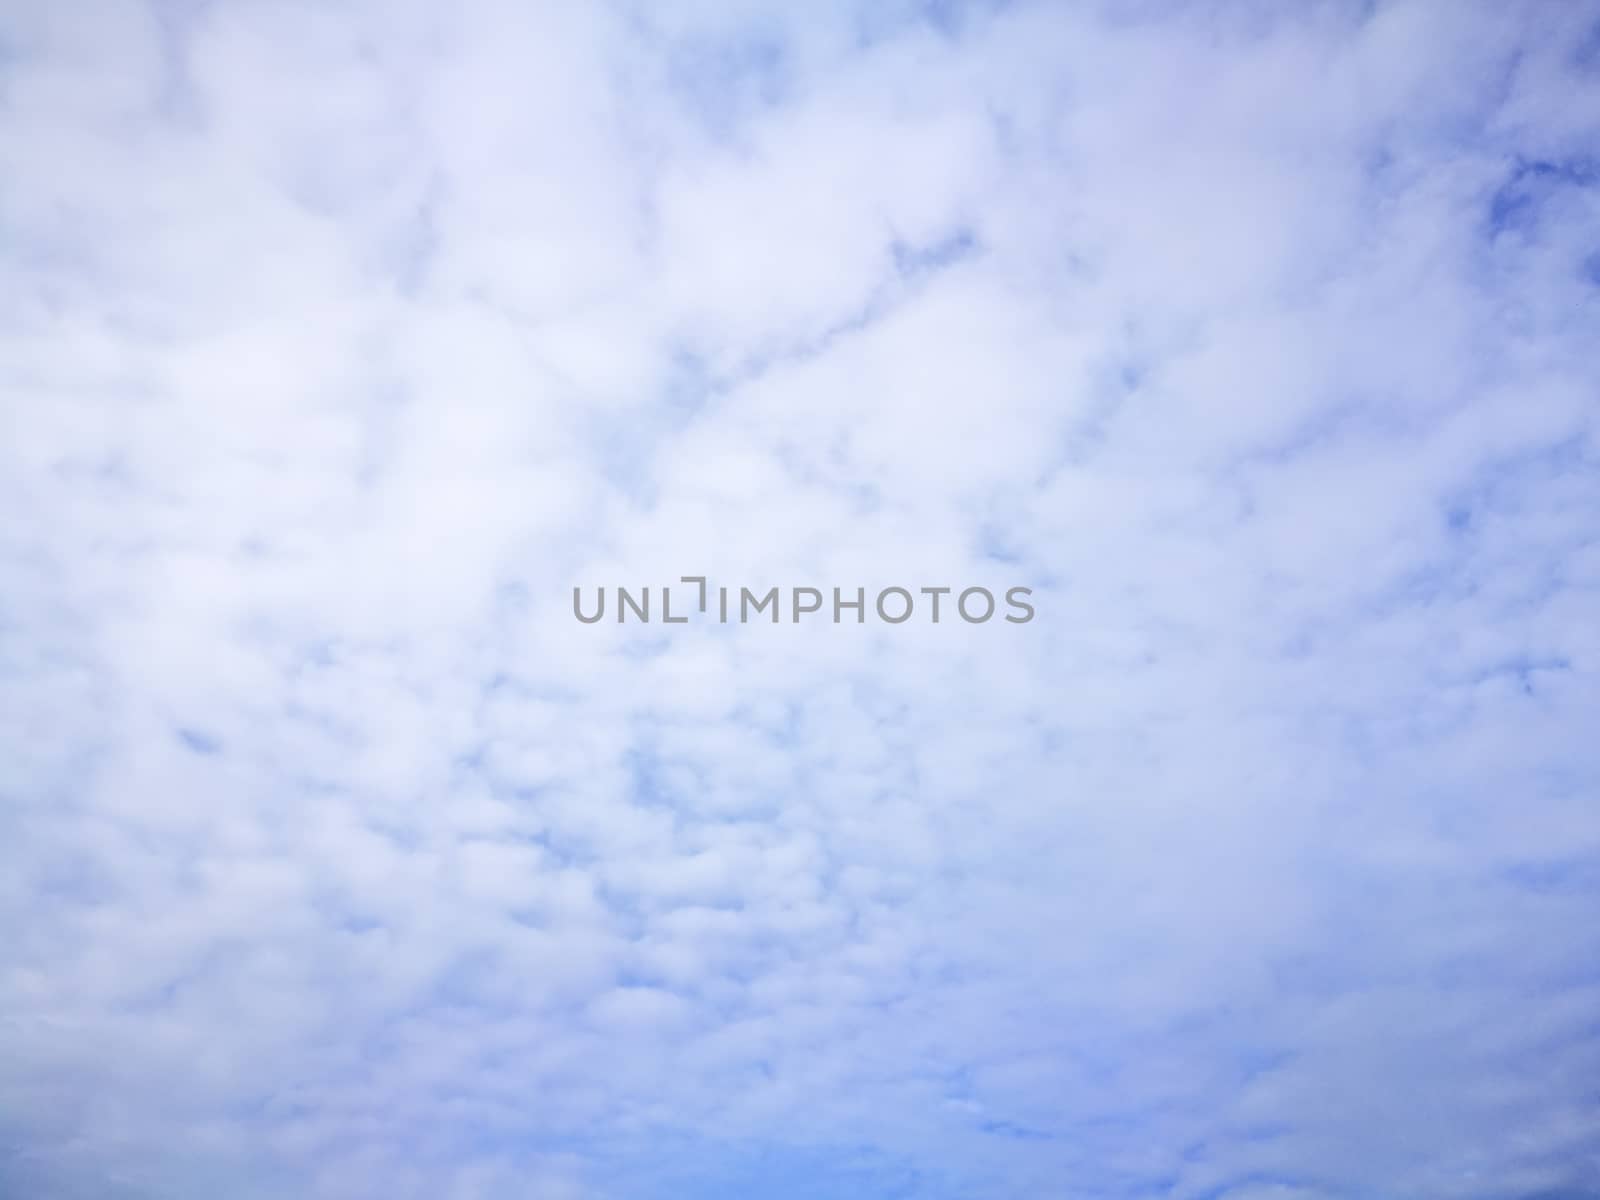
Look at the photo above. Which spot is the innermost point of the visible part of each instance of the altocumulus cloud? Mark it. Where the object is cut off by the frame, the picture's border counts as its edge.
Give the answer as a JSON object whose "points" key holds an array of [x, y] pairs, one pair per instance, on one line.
{"points": [[339, 342]]}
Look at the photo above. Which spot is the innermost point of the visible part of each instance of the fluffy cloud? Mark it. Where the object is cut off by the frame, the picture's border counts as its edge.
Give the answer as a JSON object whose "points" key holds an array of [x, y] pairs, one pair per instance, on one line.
{"points": [[339, 343]]}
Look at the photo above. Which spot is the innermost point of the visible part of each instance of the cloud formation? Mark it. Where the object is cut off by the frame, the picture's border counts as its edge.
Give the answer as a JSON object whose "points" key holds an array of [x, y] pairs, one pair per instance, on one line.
{"points": [[338, 343]]}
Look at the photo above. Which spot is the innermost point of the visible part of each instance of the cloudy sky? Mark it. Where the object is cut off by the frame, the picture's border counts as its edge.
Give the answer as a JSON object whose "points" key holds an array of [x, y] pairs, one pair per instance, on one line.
{"points": [[339, 342]]}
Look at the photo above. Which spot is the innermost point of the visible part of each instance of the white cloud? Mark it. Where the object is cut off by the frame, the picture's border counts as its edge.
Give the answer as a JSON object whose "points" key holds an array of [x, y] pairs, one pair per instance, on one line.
{"points": [[339, 344]]}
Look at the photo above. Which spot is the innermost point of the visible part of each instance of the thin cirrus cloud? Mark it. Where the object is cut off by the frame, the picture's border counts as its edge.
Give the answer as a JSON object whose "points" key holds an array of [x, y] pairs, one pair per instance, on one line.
{"points": [[339, 343]]}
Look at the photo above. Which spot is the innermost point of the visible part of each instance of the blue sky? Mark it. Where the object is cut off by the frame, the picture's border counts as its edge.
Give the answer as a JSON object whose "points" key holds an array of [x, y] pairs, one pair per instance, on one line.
{"points": [[339, 342]]}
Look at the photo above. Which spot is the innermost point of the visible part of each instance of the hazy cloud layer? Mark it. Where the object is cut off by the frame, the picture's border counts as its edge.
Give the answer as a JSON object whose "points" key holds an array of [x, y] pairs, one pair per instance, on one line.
{"points": [[338, 342]]}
